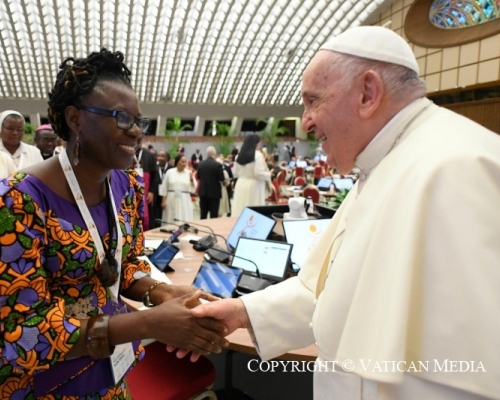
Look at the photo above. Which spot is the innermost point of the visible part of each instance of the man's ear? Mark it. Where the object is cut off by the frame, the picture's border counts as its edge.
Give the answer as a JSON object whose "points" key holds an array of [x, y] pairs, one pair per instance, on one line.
{"points": [[72, 116], [371, 94]]}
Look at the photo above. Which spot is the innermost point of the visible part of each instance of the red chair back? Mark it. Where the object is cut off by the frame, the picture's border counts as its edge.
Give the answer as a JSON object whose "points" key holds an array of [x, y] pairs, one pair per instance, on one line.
{"points": [[313, 192], [318, 171], [299, 181], [299, 171], [161, 375]]}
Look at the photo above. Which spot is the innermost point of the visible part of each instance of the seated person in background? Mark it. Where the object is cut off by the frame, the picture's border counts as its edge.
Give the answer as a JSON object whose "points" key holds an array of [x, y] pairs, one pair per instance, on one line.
{"points": [[71, 234], [46, 140]]}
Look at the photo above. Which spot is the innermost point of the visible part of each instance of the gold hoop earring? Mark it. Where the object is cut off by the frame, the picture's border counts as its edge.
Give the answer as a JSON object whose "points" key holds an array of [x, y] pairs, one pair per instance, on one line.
{"points": [[76, 158]]}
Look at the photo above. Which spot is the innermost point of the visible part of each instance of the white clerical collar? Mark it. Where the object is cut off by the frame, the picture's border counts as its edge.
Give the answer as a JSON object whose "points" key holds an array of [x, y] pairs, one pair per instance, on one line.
{"points": [[384, 141]]}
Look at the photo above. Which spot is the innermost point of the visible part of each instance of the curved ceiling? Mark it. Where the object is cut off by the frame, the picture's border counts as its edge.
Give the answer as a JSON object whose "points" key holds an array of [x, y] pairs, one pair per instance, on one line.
{"points": [[224, 52]]}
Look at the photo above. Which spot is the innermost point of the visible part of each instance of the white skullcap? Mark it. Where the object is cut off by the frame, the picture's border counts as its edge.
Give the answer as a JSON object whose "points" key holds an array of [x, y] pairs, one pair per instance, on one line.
{"points": [[5, 114], [374, 43]]}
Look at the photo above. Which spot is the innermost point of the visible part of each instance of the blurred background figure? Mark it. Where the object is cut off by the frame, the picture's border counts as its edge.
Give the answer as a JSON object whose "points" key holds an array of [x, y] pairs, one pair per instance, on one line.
{"points": [[177, 186], [211, 177], [225, 202], [252, 173], [163, 162], [46, 140], [12, 132], [145, 166], [196, 159]]}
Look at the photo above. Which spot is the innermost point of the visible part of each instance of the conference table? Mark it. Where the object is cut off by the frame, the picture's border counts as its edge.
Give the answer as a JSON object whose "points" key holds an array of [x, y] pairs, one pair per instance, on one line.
{"points": [[187, 267]]}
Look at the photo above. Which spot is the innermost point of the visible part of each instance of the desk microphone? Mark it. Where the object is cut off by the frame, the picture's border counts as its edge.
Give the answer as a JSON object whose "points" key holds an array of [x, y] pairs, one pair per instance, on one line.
{"points": [[205, 242], [247, 283], [175, 234]]}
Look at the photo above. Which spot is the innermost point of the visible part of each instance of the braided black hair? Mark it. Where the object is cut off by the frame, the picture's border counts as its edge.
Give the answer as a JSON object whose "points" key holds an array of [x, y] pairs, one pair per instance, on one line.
{"points": [[78, 77]]}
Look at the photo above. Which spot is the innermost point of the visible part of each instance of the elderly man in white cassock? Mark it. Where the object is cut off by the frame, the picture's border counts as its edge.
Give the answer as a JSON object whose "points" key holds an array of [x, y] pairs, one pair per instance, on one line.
{"points": [[402, 294]]}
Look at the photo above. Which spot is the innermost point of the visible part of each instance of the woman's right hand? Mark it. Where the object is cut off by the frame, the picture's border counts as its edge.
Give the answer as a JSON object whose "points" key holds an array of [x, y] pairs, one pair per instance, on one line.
{"points": [[172, 323], [164, 203]]}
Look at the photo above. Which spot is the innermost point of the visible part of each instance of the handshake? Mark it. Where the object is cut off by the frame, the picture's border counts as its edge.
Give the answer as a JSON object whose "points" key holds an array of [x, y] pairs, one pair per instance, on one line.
{"points": [[192, 321]]}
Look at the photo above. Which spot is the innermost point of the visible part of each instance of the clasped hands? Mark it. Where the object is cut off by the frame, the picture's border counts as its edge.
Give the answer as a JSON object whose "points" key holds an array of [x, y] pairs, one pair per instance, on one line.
{"points": [[200, 329]]}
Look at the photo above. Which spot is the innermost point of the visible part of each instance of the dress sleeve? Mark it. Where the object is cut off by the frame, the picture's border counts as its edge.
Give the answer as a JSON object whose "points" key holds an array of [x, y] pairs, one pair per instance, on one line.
{"points": [[133, 268], [35, 333], [260, 170]]}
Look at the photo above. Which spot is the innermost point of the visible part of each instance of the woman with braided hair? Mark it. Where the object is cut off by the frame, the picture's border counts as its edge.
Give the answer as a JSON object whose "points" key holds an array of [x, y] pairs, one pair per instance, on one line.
{"points": [[70, 233]]}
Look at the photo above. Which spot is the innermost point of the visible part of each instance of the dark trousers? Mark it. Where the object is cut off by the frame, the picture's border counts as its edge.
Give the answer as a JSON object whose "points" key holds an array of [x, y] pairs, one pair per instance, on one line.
{"points": [[209, 204]]}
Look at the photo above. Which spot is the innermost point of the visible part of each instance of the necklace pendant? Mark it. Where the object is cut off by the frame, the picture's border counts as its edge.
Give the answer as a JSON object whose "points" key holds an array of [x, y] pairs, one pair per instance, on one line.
{"points": [[108, 271]]}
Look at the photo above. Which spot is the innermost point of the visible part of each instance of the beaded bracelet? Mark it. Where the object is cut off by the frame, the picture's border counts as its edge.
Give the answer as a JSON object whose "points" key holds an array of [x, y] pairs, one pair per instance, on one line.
{"points": [[97, 336], [146, 298]]}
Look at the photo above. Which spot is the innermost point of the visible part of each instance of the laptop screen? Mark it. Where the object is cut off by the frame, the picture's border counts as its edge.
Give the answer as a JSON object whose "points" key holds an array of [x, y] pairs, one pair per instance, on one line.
{"points": [[303, 235], [250, 224], [343, 183], [324, 184], [271, 257], [219, 279]]}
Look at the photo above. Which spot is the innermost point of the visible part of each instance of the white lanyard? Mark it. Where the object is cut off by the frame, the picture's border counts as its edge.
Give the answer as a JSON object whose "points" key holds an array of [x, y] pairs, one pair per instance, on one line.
{"points": [[138, 160], [89, 221]]}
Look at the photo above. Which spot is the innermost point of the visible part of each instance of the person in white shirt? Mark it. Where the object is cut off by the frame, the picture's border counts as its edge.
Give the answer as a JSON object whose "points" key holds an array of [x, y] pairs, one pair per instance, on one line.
{"points": [[401, 295], [12, 132], [7, 166]]}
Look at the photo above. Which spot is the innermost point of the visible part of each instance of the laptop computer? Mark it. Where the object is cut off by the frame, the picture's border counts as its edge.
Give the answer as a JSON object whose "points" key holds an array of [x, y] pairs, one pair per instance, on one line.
{"points": [[343, 183], [163, 255], [270, 257], [303, 235], [218, 279], [250, 224], [324, 184]]}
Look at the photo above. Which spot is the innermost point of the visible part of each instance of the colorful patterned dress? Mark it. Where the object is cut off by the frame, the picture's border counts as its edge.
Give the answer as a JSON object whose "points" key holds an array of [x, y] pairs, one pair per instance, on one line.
{"points": [[47, 279]]}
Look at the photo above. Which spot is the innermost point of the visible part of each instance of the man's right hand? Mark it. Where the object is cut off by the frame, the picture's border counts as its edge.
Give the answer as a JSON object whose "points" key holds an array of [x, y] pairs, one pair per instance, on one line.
{"points": [[230, 312]]}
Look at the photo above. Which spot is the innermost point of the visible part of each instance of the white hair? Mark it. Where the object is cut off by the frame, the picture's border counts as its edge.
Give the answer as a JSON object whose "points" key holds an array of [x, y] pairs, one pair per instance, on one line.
{"points": [[211, 152], [399, 82]]}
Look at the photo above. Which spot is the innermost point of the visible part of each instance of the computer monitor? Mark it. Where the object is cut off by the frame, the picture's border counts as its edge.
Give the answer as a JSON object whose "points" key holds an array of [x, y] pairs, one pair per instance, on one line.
{"points": [[303, 234], [272, 258], [250, 224], [324, 184], [343, 183], [218, 279]]}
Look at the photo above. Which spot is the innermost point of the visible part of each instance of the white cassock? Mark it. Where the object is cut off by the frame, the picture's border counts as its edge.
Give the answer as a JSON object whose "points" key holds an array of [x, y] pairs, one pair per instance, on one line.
{"points": [[24, 156], [412, 275]]}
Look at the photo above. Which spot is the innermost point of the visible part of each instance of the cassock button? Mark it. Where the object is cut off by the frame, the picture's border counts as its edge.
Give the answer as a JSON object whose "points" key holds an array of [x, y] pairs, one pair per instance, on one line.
{"points": [[310, 325], [362, 177]]}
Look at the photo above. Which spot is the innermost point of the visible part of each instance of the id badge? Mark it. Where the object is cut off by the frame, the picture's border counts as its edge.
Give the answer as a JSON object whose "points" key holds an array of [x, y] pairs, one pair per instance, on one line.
{"points": [[139, 171], [121, 360]]}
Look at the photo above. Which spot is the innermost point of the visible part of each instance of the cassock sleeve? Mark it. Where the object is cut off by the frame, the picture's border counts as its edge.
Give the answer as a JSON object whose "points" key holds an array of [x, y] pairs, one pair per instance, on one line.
{"points": [[280, 317]]}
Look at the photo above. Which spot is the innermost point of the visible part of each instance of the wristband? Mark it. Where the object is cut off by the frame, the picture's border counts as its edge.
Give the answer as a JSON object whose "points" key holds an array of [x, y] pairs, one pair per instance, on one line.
{"points": [[146, 298], [97, 336]]}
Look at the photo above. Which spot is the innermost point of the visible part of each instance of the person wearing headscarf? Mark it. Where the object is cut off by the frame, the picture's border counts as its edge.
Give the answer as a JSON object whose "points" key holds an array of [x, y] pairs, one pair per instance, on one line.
{"points": [[11, 133], [252, 173]]}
